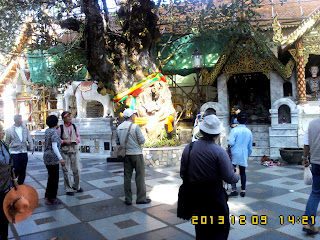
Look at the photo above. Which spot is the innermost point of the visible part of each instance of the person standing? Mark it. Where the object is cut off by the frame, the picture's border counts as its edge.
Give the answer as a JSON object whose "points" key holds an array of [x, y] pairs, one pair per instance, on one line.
{"points": [[19, 141], [196, 131], [209, 165], [234, 122], [312, 146], [241, 148], [133, 158], [70, 137], [5, 179], [52, 157]]}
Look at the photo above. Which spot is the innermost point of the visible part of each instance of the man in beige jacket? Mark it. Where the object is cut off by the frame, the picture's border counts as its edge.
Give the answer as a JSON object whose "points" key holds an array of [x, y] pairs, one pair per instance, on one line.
{"points": [[19, 141], [134, 158]]}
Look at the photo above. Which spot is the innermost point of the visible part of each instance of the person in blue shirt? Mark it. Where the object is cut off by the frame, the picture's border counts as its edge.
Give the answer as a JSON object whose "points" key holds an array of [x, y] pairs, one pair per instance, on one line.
{"points": [[241, 148]]}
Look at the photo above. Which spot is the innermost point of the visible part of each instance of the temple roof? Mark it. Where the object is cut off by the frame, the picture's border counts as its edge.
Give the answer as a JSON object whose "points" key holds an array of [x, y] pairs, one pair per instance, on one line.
{"points": [[290, 14]]}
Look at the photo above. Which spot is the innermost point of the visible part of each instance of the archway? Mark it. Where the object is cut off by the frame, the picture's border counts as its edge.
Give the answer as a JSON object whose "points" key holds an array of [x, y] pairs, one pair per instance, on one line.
{"points": [[94, 109], [252, 92]]}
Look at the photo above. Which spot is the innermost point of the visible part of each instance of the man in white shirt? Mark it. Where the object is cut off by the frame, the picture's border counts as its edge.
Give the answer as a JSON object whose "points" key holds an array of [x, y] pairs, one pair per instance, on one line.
{"points": [[19, 141]]}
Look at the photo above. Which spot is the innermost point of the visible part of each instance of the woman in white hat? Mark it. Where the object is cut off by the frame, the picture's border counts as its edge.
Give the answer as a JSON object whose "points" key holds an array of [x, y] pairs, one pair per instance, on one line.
{"points": [[208, 166]]}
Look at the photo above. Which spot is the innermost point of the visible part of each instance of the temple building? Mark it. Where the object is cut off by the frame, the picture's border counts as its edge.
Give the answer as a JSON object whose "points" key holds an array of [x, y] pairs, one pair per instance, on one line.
{"points": [[275, 87], [275, 83]]}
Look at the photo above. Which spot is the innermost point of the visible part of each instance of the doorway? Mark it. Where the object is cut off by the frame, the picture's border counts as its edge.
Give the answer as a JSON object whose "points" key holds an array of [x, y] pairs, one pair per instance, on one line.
{"points": [[252, 92]]}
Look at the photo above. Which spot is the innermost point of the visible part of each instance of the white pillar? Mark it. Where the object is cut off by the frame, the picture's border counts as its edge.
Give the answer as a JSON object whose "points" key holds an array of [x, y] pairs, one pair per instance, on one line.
{"points": [[8, 96]]}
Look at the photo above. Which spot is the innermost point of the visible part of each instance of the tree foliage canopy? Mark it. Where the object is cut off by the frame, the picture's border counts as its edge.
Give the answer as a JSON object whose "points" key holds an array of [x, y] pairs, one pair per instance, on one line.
{"points": [[119, 45]]}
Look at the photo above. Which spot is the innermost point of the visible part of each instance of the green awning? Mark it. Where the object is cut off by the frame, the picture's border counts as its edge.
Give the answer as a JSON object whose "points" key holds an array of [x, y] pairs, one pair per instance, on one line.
{"points": [[183, 48], [40, 61]]}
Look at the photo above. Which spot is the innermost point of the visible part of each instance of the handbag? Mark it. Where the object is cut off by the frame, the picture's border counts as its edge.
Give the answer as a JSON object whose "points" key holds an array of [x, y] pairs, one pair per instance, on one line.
{"points": [[185, 209], [122, 150], [307, 176]]}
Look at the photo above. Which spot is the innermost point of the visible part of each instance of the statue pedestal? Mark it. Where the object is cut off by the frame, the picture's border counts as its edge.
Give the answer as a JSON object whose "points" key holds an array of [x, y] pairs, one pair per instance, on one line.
{"points": [[97, 137]]}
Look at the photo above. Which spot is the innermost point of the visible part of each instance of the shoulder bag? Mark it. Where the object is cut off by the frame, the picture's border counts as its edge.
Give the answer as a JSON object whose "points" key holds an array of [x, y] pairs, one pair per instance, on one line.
{"points": [[184, 209], [122, 150]]}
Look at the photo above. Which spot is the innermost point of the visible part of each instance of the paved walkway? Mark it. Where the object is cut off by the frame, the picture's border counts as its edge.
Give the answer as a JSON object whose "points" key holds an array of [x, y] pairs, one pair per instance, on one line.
{"points": [[100, 212]]}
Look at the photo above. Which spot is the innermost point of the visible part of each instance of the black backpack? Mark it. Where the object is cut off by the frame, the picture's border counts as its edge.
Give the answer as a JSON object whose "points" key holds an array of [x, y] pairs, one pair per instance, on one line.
{"points": [[61, 128]]}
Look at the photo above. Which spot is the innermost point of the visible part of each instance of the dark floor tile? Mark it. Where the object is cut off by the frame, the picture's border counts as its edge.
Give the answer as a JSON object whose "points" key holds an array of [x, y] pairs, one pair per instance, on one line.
{"points": [[96, 175], [115, 191], [261, 191], [73, 232], [102, 209], [272, 211]]}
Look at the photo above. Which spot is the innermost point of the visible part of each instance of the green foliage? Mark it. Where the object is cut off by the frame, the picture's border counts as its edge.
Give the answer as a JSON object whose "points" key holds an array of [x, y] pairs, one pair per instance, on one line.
{"points": [[43, 16], [67, 66], [165, 140]]}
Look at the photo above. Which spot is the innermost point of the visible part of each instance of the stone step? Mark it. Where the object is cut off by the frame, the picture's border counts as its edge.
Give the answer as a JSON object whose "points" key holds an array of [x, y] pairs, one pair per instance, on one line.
{"points": [[258, 152]]}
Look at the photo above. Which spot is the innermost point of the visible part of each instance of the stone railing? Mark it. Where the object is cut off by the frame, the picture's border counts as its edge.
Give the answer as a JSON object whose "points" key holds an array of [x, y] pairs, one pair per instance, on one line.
{"points": [[164, 156]]}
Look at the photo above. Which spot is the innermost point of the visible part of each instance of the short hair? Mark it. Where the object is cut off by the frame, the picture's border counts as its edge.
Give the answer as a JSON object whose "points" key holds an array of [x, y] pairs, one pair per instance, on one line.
{"points": [[237, 107], [52, 121], [209, 111], [15, 118], [242, 118], [209, 136]]}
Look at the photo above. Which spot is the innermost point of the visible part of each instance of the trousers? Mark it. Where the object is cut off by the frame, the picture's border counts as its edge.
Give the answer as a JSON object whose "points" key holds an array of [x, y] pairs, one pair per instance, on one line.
{"points": [[71, 171], [4, 223], [20, 162], [53, 181], [243, 178], [314, 198], [134, 162]]}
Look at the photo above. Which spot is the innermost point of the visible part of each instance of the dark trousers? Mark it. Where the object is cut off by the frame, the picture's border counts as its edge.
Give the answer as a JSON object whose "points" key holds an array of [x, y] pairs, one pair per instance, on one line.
{"points": [[130, 163], [243, 178], [4, 224], [210, 201], [53, 181], [20, 162]]}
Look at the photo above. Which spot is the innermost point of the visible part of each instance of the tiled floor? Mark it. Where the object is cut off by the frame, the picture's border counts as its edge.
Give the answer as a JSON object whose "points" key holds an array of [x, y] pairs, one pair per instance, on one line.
{"points": [[100, 213]]}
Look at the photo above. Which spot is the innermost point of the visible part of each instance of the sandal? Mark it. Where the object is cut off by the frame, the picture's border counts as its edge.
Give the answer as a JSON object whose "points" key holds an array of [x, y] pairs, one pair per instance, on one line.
{"points": [[310, 229]]}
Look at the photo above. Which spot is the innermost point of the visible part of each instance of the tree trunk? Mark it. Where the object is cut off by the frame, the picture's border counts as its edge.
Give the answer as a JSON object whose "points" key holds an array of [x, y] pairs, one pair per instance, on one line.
{"points": [[99, 67], [131, 53]]}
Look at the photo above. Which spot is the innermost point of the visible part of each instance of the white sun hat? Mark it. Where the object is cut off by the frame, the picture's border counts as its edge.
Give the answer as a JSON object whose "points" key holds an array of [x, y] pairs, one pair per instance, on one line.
{"points": [[129, 112], [211, 125]]}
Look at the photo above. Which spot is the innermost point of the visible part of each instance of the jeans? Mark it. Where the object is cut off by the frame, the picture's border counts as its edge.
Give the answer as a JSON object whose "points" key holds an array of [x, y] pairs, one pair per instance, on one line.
{"points": [[243, 179], [314, 198]]}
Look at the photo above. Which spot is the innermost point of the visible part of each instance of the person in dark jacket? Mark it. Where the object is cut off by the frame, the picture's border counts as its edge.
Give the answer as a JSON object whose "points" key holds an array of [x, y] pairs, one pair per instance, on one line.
{"points": [[209, 165], [5, 178], [234, 122]]}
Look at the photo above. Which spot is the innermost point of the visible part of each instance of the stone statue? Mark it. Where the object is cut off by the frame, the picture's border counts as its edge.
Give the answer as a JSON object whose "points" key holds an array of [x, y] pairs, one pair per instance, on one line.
{"points": [[313, 87]]}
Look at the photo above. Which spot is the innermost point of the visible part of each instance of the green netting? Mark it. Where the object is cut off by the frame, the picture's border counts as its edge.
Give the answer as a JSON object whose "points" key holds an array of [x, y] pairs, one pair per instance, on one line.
{"points": [[40, 61], [181, 63]]}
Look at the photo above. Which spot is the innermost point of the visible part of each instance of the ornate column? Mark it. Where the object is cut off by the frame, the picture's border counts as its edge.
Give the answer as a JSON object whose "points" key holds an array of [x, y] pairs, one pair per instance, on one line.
{"points": [[301, 74]]}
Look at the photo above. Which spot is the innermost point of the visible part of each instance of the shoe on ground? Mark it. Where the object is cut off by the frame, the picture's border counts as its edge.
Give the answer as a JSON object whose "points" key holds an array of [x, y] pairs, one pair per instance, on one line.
{"points": [[70, 193], [53, 202], [242, 194], [78, 190], [145, 201], [128, 203], [233, 194], [310, 229]]}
